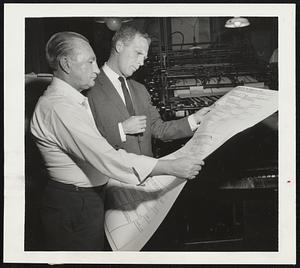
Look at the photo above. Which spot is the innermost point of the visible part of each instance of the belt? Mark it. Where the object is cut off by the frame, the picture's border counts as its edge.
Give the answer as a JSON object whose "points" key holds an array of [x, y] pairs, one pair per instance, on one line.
{"points": [[74, 188]]}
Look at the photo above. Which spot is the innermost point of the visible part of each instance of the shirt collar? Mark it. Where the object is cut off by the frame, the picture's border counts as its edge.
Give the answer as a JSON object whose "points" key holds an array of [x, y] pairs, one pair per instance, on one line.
{"points": [[65, 89], [111, 73]]}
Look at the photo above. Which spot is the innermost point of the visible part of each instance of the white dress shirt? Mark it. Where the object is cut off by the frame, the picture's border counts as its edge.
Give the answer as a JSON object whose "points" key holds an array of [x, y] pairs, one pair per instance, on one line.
{"points": [[72, 147], [114, 78]]}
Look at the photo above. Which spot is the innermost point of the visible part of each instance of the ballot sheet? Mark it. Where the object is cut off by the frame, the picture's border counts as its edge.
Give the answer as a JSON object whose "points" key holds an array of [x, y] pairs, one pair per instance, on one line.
{"points": [[135, 212]]}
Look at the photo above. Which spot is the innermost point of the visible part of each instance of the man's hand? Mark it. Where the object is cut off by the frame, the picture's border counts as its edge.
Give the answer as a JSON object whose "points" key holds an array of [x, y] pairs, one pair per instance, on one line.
{"points": [[186, 167], [199, 115], [134, 124], [183, 167]]}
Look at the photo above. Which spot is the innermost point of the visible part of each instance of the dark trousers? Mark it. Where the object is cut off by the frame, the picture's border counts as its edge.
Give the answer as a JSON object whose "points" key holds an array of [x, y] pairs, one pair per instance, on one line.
{"points": [[72, 217]]}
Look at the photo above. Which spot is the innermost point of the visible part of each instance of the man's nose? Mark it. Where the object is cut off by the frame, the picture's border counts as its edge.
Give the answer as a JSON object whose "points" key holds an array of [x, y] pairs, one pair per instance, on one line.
{"points": [[96, 69], [141, 62]]}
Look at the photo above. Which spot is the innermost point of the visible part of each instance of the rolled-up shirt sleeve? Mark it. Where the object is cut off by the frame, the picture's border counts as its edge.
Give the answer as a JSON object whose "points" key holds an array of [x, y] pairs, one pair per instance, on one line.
{"points": [[75, 133], [192, 122]]}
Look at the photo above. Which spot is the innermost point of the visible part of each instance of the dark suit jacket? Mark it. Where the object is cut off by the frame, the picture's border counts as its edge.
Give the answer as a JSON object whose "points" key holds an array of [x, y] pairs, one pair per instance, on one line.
{"points": [[108, 110]]}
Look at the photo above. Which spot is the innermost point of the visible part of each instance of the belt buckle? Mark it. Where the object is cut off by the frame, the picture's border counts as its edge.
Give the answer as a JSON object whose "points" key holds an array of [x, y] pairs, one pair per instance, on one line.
{"points": [[77, 189]]}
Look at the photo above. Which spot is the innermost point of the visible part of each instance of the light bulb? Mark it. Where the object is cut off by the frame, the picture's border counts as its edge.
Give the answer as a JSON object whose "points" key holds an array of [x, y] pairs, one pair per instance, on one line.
{"points": [[237, 24], [113, 24]]}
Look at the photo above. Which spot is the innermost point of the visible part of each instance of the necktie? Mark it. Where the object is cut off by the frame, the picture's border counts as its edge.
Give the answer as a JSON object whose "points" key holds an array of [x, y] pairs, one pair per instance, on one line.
{"points": [[127, 97]]}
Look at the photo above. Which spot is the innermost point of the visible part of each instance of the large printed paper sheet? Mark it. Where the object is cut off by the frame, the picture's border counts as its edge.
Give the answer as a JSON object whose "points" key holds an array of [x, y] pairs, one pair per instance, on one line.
{"points": [[135, 212]]}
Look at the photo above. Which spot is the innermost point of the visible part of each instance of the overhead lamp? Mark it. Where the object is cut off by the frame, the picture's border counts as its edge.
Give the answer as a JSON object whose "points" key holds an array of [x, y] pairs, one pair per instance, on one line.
{"points": [[237, 22], [113, 23]]}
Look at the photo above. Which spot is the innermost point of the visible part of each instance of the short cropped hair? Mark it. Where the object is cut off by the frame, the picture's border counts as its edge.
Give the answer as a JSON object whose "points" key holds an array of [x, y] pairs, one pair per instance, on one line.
{"points": [[127, 34], [59, 45]]}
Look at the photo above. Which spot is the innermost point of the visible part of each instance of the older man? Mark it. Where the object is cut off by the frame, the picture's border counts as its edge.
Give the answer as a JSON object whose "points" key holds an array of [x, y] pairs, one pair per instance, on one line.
{"points": [[122, 107], [78, 159]]}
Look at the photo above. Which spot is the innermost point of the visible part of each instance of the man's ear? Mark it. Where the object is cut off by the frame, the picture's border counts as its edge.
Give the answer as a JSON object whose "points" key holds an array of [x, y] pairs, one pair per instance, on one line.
{"points": [[64, 64], [119, 46]]}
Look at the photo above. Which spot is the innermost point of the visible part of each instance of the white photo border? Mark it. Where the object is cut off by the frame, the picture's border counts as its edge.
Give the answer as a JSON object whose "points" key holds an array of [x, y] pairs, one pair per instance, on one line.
{"points": [[14, 180]]}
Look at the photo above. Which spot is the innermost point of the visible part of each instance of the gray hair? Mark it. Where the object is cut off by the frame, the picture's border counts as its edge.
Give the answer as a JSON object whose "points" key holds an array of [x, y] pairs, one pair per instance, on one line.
{"points": [[61, 44], [126, 34]]}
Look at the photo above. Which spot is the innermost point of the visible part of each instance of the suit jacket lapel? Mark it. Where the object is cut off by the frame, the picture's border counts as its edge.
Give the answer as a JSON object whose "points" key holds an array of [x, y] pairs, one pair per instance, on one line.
{"points": [[112, 94]]}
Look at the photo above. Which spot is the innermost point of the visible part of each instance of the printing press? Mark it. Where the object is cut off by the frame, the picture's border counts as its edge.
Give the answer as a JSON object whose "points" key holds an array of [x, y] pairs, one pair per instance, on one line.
{"points": [[234, 202]]}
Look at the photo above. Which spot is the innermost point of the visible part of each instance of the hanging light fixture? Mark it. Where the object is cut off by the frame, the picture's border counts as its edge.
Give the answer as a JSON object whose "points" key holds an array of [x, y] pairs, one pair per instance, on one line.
{"points": [[113, 23], [237, 22]]}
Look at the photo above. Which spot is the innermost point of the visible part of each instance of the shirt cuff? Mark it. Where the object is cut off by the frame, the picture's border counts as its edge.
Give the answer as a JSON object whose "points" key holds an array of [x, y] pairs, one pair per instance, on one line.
{"points": [[121, 131], [192, 122]]}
